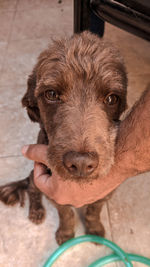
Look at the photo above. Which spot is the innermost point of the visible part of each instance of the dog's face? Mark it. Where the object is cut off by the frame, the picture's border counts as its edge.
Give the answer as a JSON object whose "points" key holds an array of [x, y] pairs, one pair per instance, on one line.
{"points": [[77, 91]]}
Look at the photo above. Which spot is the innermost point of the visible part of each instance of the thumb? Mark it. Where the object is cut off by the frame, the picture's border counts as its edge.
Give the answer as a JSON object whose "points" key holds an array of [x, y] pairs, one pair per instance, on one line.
{"points": [[36, 153]]}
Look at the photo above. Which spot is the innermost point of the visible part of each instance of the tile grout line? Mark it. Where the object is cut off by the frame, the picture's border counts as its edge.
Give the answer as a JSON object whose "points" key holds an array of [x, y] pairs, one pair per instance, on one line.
{"points": [[110, 224], [108, 211], [11, 156]]}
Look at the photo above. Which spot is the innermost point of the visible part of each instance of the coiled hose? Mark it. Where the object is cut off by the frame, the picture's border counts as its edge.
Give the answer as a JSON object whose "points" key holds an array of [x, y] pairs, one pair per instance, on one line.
{"points": [[119, 254]]}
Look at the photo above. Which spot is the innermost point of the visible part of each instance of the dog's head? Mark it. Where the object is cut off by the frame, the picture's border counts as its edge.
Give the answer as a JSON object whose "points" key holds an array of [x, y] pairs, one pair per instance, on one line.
{"points": [[77, 92]]}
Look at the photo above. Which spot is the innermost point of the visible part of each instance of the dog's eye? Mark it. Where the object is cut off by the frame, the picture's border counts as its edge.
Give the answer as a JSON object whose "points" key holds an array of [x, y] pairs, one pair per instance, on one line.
{"points": [[111, 99], [51, 95]]}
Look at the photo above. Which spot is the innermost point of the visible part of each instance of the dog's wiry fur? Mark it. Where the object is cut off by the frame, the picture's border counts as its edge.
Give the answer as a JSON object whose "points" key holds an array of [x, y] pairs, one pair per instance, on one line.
{"points": [[83, 70]]}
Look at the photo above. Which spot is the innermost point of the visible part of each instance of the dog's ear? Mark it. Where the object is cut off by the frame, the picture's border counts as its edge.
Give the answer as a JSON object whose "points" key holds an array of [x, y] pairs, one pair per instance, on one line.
{"points": [[29, 100]]}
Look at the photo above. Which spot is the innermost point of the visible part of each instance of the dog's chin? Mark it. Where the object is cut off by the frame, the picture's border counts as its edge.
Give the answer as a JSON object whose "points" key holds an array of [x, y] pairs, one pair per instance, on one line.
{"points": [[77, 179], [66, 176]]}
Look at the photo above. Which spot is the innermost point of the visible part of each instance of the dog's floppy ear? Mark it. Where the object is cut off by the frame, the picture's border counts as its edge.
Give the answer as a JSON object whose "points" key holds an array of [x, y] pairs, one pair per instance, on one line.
{"points": [[29, 100]]}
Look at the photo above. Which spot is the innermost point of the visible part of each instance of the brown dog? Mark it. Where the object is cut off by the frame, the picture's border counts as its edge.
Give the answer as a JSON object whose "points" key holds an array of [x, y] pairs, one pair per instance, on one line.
{"points": [[76, 92]]}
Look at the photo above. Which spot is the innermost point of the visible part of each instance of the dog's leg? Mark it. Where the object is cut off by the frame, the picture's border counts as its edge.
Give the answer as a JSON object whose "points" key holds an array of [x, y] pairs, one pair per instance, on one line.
{"points": [[66, 224], [92, 219], [36, 209]]}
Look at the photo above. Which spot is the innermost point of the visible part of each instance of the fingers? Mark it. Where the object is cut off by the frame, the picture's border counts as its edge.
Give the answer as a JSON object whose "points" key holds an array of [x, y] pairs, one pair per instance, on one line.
{"points": [[52, 186], [36, 152], [42, 179]]}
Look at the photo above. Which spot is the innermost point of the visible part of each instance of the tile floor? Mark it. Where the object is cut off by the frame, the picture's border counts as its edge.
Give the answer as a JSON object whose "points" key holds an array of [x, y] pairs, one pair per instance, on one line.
{"points": [[26, 29]]}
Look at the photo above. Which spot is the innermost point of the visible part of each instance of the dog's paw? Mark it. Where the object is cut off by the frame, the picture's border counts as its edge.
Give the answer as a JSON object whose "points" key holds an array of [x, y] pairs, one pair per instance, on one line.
{"points": [[63, 236], [98, 230], [8, 197], [12, 193], [37, 215]]}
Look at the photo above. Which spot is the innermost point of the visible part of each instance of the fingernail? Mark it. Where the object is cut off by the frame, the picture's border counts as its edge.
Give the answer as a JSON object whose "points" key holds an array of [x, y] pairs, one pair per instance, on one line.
{"points": [[24, 149]]}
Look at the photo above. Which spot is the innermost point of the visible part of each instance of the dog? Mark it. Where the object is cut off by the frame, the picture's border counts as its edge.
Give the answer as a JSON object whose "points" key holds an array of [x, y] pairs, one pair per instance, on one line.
{"points": [[76, 92]]}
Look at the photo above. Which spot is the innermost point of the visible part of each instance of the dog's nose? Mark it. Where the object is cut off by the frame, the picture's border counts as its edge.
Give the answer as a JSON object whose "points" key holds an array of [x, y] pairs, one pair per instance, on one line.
{"points": [[80, 164]]}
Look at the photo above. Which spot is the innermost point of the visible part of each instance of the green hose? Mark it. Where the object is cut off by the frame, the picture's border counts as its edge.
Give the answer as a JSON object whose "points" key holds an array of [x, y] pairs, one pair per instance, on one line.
{"points": [[112, 258], [119, 255]]}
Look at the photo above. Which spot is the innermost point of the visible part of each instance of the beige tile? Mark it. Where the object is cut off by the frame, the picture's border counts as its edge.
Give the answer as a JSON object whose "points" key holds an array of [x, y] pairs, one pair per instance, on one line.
{"points": [[8, 4], [33, 4], [29, 25], [82, 255], [16, 128], [135, 50], [6, 20], [142, 48], [21, 57], [136, 63], [3, 49], [15, 132], [137, 84], [124, 39], [14, 168], [129, 215]]}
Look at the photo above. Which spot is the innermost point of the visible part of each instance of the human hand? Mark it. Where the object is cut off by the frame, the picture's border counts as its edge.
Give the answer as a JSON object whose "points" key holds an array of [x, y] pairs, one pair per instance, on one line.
{"points": [[62, 192]]}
